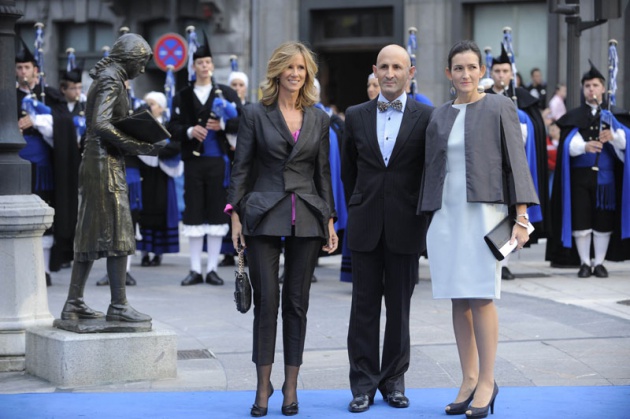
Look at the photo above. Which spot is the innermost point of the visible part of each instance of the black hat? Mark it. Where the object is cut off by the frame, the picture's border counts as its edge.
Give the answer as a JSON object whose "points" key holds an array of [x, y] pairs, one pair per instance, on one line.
{"points": [[204, 49], [592, 73], [504, 58], [73, 75], [24, 55]]}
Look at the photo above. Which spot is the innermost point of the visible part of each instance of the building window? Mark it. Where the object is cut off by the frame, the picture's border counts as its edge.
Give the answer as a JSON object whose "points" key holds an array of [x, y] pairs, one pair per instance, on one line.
{"points": [[350, 25]]}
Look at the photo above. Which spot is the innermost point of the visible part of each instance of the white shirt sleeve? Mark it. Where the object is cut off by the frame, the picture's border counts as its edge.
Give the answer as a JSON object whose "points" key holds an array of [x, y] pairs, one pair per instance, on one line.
{"points": [[524, 132], [577, 146], [619, 143]]}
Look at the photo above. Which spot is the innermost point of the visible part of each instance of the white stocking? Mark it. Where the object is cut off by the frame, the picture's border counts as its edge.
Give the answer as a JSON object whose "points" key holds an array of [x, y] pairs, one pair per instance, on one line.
{"points": [[214, 250], [195, 245], [583, 244], [600, 243]]}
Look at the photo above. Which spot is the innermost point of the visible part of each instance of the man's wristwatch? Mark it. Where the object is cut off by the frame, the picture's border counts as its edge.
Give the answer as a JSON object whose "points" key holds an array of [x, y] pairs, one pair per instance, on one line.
{"points": [[524, 215]]}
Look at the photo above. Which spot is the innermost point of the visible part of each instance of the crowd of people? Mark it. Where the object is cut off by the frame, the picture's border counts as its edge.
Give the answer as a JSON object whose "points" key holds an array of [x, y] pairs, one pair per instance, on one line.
{"points": [[390, 181]]}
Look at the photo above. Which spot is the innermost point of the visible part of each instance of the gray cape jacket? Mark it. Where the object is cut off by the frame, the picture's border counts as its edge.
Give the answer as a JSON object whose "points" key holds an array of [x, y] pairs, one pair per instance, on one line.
{"points": [[496, 166]]}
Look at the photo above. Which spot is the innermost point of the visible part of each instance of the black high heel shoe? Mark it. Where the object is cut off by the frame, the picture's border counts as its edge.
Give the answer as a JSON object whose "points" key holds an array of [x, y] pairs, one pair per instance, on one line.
{"points": [[482, 412], [461, 407], [290, 409], [258, 411]]}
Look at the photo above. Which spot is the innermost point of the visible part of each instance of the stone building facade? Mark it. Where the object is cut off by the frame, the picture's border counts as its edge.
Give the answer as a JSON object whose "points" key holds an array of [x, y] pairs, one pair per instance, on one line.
{"points": [[345, 34]]}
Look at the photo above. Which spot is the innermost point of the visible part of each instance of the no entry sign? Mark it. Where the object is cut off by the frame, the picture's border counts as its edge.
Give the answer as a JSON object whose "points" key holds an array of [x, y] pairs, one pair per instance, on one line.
{"points": [[170, 49]]}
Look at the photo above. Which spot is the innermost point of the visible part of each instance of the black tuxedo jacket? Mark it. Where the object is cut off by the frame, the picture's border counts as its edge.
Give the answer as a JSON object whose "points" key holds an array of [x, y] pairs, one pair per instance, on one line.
{"points": [[269, 167], [382, 199], [188, 111]]}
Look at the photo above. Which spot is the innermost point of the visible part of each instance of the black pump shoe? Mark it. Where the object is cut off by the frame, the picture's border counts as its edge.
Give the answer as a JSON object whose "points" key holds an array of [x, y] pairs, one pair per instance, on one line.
{"points": [[290, 409], [482, 412], [461, 407], [258, 411]]}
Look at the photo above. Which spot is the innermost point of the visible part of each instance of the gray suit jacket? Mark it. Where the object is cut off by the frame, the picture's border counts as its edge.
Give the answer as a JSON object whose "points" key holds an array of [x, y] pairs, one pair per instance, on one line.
{"points": [[269, 167], [496, 166]]}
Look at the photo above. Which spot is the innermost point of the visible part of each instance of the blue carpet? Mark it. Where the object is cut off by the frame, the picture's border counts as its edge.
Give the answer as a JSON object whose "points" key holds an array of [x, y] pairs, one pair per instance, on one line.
{"points": [[610, 402]]}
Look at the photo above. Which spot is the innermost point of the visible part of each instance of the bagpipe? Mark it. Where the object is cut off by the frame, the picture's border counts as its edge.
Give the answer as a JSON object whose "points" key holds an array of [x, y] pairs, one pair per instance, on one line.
{"points": [[31, 105], [412, 47], [39, 57], [487, 82], [193, 44], [77, 120], [535, 212], [220, 109], [507, 44], [605, 118]]}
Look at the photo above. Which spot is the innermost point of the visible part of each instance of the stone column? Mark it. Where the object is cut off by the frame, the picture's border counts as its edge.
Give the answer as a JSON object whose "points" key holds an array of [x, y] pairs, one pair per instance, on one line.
{"points": [[23, 218]]}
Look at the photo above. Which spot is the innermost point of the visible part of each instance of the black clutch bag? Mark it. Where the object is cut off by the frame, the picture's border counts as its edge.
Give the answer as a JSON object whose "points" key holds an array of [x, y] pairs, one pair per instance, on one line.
{"points": [[243, 288], [498, 239]]}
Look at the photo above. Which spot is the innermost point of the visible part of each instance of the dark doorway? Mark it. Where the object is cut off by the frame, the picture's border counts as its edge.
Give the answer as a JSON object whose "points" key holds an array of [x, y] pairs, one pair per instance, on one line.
{"points": [[343, 76]]}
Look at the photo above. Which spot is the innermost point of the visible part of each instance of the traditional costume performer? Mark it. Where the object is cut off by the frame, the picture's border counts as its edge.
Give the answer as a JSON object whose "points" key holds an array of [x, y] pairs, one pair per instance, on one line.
{"points": [[38, 135], [159, 216], [535, 142], [591, 205], [207, 164], [69, 127]]}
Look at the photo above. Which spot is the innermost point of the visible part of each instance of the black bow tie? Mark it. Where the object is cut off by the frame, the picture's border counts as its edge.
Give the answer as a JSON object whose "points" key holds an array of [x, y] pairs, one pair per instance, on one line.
{"points": [[396, 105]]}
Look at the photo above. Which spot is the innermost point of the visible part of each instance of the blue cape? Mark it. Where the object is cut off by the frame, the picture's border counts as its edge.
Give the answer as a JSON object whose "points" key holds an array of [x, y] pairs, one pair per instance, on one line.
{"points": [[534, 212]]}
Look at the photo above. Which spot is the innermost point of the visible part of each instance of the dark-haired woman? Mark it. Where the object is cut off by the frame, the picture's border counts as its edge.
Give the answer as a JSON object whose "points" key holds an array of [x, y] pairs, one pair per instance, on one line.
{"points": [[475, 173]]}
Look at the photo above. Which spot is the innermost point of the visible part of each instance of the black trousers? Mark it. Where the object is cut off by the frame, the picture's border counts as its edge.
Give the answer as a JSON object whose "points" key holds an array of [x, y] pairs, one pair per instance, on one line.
{"points": [[584, 212], [300, 258], [377, 274], [204, 194]]}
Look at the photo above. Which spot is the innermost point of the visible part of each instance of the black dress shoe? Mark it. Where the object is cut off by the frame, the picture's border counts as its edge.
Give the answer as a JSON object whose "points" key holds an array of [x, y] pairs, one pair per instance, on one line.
{"points": [[360, 403], [157, 260], [213, 279], [600, 272], [77, 309], [125, 313], [103, 281], [145, 261], [49, 281], [130, 280], [192, 278], [228, 260], [585, 271], [397, 399], [506, 274]]}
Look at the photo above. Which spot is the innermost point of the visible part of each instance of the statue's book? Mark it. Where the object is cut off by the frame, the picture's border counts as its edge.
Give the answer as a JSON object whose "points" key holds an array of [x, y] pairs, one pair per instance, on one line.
{"points": [[498, 239], [143, 127]]}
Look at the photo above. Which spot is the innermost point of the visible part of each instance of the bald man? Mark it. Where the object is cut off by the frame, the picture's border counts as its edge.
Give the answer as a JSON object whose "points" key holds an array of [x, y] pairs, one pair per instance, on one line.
{"points": [[382, 162]]}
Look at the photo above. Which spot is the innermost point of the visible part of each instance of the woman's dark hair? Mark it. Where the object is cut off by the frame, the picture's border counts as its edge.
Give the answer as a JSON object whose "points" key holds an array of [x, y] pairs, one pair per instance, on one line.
{"points": [[463, 46]]}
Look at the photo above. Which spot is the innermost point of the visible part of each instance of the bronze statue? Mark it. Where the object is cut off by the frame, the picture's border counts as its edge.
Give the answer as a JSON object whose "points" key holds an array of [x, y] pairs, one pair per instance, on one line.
{"points": [[104, 227]]}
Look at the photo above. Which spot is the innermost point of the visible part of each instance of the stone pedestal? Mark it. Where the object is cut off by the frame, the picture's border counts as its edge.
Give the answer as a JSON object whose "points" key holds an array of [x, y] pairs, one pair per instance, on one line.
{"points": [[69, 359], [23, 296]]}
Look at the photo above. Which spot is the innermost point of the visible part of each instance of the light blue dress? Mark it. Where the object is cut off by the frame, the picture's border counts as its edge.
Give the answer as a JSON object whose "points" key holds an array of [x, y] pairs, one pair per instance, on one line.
{"points": [[460, 261]]}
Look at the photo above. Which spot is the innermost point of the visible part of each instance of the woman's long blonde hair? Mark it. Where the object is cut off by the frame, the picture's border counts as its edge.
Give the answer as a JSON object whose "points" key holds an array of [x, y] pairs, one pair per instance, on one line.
{"points": [[279, 62]]}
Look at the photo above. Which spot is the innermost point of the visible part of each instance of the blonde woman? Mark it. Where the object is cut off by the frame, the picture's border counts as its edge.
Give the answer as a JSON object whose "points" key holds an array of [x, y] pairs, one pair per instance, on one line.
{"points": [[284, 138]]}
